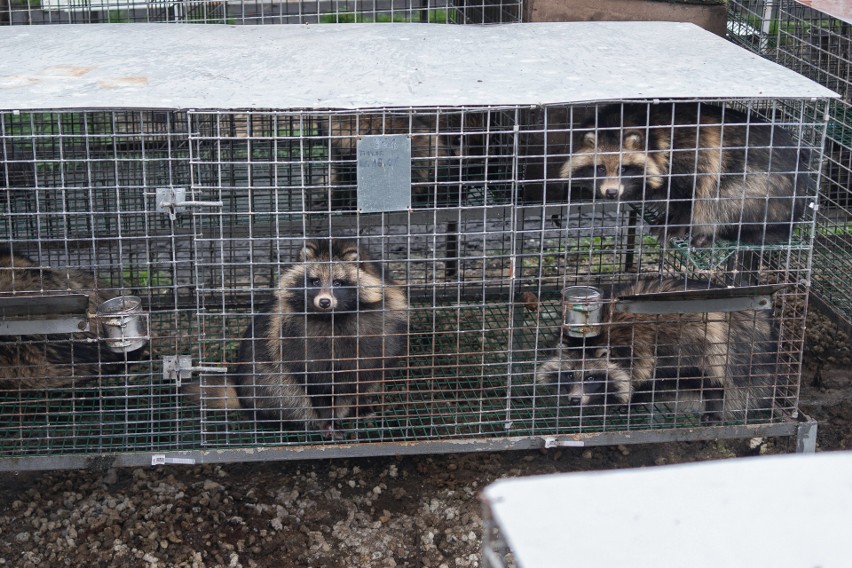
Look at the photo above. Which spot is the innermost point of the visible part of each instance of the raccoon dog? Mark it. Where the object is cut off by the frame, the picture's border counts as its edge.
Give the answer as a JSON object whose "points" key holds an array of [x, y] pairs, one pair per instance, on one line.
{"points": [[730, 358], [722, 173], [337, 324], [36, 362]]}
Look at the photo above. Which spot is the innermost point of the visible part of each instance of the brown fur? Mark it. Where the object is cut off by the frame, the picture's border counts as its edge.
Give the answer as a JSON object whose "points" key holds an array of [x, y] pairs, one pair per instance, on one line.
{"points": [[312, 357], [730, 356], [57, 360], [733, 177]]}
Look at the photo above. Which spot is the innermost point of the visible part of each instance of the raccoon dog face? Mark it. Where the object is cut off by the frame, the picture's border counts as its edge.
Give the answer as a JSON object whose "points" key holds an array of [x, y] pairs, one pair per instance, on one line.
{"points": [[582, 388], [615, 168], [585, 380], [332, 276], [617, 155]]}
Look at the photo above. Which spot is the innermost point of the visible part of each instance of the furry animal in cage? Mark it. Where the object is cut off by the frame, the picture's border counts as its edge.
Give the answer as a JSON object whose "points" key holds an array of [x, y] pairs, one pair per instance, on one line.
{"points": [[730, 358], [716, 173], [34, 362], [337, 325], [16, 169]]}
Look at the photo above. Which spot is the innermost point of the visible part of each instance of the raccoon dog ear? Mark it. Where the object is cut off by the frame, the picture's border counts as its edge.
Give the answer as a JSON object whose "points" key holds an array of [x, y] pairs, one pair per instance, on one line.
{"points": [[590, 139], [602, 353], [351, 255], [633, 140], [309, 251]]}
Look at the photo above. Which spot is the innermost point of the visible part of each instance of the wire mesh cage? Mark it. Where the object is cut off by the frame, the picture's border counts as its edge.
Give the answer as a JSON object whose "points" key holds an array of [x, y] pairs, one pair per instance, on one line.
{"points": [[31, 12], [279, 284], [815, 40], [208, 229]]}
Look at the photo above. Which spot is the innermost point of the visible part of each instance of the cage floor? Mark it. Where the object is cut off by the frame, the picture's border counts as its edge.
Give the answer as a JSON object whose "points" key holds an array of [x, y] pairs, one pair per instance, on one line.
{"points": [[87, 423], [459, 385]]}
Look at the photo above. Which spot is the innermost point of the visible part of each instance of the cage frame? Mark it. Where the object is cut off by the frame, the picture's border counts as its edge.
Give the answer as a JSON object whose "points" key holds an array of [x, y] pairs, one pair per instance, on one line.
{"points": [[53, 12], [813, 39], [528, 38]]}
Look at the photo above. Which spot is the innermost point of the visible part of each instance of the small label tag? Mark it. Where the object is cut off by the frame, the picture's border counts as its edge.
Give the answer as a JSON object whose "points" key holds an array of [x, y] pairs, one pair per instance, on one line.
{"points": [[161, 459], [384, 173]]}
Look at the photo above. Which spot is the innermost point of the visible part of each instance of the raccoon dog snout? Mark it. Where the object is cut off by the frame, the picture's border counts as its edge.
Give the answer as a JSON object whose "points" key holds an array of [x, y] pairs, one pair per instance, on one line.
{"points": [[325, 301]]}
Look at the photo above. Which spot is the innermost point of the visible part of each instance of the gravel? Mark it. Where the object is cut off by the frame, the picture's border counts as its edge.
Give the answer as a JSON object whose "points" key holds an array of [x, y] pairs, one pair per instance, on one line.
{"points": [[413, 511]]}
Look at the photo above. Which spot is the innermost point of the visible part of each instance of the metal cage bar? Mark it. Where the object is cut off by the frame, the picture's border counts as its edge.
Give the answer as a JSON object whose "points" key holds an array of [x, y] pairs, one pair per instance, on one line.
{"points": [[31, 12], [815, 40], [218, 221]]}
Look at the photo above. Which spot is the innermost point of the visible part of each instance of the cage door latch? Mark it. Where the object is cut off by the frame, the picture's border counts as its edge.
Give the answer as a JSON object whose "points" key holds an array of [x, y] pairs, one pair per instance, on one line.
{"points": [[178, 368], [172, 200]]}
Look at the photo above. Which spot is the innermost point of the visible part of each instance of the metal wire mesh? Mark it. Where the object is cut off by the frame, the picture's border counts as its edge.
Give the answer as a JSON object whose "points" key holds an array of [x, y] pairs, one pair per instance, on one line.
{"points": [[203, 215], [30, 12], [817, 43]]}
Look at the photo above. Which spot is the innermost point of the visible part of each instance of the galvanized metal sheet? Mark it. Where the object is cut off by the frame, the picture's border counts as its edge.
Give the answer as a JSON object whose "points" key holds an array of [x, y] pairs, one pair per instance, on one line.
{"points": [[40, 305], [323, 451], [700, 301], [174, 66], [34, 315], [384, 173], [62, 325]]}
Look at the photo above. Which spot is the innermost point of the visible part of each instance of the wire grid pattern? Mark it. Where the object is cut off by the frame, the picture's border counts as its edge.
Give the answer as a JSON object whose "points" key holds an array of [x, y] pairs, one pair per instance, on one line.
{"points": [[819, 47], [493, 235], [30, 12]]}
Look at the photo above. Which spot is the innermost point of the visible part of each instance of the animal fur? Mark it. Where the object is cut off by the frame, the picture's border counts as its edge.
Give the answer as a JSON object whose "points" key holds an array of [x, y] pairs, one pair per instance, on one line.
{"points": [[313, 356], [732, 177], [36, 362], [17, 169], [730, 358]]}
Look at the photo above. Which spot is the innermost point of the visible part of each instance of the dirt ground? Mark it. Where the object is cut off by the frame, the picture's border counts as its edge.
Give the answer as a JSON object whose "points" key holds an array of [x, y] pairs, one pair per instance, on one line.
{"points": [[419, 511]]}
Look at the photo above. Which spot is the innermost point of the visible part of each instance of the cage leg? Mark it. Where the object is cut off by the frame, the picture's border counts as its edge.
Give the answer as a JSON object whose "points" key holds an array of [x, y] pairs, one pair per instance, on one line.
{"points": [[806, 435]]}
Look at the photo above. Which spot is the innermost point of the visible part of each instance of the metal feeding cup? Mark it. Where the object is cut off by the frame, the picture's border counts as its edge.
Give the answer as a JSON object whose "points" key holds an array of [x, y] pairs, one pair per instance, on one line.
{"points": [[581, 310], [124, 322]]}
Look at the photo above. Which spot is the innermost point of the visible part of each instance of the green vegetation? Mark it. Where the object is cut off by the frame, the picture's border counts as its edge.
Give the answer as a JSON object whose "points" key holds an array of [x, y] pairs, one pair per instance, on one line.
{"points": [[344, 17], [824, 230], [780, 32], [842, 229], [592, 255], [145, 279], [117, 17]]}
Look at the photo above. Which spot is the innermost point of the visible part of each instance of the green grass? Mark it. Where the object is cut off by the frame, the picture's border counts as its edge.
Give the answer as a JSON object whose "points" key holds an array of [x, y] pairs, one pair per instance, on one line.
{"points": [[787, 29], [145, 279], [590, 255], [433, 16]]}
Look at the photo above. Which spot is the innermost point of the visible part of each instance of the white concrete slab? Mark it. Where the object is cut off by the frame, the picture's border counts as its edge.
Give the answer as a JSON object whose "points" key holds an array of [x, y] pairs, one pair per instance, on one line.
{"points": [[782, 511]]}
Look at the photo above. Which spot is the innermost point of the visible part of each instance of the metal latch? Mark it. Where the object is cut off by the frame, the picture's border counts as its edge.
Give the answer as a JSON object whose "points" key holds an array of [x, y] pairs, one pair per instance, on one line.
{"points": [[172, 200], [178, 368]]}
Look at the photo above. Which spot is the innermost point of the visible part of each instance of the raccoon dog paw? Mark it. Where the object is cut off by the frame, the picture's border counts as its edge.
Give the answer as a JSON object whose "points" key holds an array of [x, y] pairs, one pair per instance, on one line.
{"points": [[329, 433], [711, 418], [701, 241]]}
